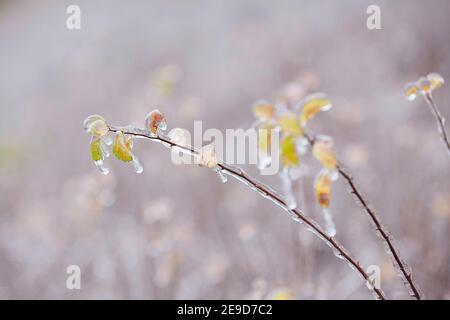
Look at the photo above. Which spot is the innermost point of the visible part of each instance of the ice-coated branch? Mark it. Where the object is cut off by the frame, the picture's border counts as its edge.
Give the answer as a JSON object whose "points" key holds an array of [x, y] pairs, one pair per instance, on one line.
{"points": [[267, 192], [439, 119], [400, 265]]}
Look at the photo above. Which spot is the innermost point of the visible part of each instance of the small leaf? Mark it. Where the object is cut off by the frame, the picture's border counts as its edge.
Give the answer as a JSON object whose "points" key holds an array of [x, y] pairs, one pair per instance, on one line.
{"points": [[436, 80], [155, 121], [122, 148], [424, 85], [322, 189], [290, 125], [96, 149], [289, 155], [207, 157], [323, 150], [312, 105], [411, 91], [96, 125], [263, 110]]}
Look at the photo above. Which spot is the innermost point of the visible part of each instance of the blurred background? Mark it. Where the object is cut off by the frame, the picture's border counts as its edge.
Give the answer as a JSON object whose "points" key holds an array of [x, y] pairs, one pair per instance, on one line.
{"points": [[176, 231]]}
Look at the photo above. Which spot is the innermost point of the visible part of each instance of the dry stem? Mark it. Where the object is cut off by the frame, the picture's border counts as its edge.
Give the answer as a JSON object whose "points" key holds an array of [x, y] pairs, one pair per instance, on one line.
{"points": [[269, 193], [397, 261], [439, 119]]}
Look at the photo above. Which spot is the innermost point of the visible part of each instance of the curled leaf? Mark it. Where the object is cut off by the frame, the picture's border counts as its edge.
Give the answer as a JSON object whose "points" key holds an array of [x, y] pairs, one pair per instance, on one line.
{"points": [[207, 157], [96, 149], [312, 105], [263, 110], [323, 150], [436, 80], [288, 151], [290, 125], [322, 189], [155, 121], [122, 147], [411, 91], [96, 125], [424, 85]]}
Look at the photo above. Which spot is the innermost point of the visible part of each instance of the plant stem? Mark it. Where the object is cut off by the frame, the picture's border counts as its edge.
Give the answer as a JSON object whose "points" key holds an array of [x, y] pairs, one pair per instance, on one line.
{"points": [[381, 230], [439, 119], [269, 193]]}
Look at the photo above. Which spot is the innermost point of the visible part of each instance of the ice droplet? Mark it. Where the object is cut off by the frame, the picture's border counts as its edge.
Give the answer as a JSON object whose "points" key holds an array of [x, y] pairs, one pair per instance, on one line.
{"points": [[104, 149], [138, 168], [222, 176], [100, 165], [287, 186], [264, 160], [330, 229]]}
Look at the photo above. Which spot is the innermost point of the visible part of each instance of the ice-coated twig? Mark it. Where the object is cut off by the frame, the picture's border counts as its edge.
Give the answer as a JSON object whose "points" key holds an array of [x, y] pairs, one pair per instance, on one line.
{"points": [[268, 193], [439, 119], [400, 265]]}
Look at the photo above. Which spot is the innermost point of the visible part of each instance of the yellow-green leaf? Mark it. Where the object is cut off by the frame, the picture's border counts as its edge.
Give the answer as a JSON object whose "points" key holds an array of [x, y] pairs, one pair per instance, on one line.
{"points": [[312, 105], [323, 150], [289, 155], [290, 125], [122, 148], [96, 150]]}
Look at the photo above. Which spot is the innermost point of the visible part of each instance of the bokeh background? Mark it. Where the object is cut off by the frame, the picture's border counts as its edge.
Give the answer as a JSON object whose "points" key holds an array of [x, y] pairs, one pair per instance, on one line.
{"points": [[176, 231]]}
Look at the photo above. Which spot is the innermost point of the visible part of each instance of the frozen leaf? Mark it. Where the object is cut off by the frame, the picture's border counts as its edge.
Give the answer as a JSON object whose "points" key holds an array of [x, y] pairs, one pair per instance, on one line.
{"points": [[122, 147], [96, 125], [263, 110], [207, 157], [178, 136], [289, 155], [411, 90], [98, 154], [323, 150], [312, 105], [290, 125], [424, 85], [155, 121], [322, 189], [96, 149], [436, 80], [291, 203]]}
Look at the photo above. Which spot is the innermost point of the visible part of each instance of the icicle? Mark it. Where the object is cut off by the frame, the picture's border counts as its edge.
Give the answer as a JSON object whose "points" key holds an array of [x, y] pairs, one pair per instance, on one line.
{"points": [[138, 168], [100, 165], [329, 224], [287, 185], [221, 175]]}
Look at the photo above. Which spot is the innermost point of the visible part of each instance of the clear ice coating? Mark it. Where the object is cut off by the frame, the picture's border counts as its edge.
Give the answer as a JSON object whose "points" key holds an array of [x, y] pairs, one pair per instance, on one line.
{"points": [[104, 149], [100, 165], [287, 187], [264, 160], [301, 145], [138, 168], [222, 175], [330, 229]]}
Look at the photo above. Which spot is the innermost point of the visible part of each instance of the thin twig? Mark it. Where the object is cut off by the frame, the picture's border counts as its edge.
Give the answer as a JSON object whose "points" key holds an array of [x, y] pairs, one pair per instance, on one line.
{"points": [[269, 193], [381, 230], [439, 119]]}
